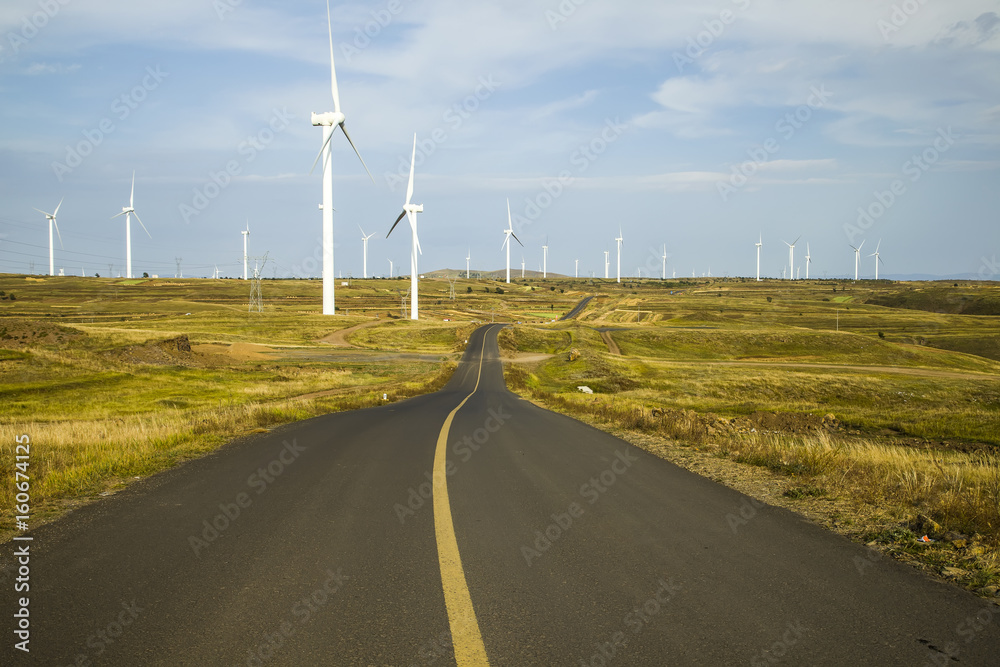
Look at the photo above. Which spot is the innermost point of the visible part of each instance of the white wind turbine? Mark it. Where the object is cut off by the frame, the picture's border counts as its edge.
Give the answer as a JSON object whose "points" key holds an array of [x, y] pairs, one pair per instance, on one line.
{"points": [[364, 240], [246, 234], [808, 261], [330, 121], [410, 211], [857, 259], [468, 256], [52, 221], [128, 212], [663, 275], [607, 263], [619, 241], [877, 258], [791, 257], [758, 244], [509, 232], [576, 269], [545, 258]]}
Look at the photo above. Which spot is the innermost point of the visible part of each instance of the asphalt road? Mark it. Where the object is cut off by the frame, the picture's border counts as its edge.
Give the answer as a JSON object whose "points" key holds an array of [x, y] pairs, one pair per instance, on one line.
{"points": [[320, 543], [577, 309]]}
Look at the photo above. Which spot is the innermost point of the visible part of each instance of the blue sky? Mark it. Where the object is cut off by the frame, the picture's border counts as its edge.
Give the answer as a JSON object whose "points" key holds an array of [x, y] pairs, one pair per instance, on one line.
{"points": [[692, 124]]}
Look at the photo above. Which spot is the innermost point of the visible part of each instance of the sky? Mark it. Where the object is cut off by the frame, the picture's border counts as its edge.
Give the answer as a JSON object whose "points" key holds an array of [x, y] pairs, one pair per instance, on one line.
{"points": [[695, 128]]}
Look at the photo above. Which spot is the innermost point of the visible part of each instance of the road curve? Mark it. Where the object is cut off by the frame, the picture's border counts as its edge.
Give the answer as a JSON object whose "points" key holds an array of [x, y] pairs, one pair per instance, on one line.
{"points": [[577, 309], [320, 544]]}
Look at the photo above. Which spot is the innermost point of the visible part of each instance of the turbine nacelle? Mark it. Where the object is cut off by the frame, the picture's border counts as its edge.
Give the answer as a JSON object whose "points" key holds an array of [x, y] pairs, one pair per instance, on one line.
{"points": [[329, 118], [414, 208]]}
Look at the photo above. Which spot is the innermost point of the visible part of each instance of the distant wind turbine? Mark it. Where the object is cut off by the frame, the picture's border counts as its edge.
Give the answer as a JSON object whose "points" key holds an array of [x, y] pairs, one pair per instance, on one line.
{"points": [[619, 241], [330, 121], [509, 232], [410, 211], [758, 244], [607, 263], [877, 258], [128, 212], [545, 258], [791, 257], [808, 261], [468, 256], [663, 275], [52, 221], [364, 241], [857, 259], [576, 270], [245, 233], [390, 268]]}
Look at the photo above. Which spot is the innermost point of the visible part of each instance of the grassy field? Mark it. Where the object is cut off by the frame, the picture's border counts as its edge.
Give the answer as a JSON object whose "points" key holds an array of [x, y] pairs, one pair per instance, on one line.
{"points": [[883, 393]]}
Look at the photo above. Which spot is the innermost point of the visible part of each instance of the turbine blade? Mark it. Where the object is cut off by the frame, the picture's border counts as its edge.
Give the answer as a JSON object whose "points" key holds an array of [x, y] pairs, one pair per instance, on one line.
{"points": [[344, 128], [796, 239], [131, 197], [142, 225], [333, 70], [362, 231], [43, 212], [117, 215], [396, 223], [56, 212], [413, 160], [510, 226], [323, 148], [506, 238], [517, 239], [416, 239], [57, 232], [878, 245]]}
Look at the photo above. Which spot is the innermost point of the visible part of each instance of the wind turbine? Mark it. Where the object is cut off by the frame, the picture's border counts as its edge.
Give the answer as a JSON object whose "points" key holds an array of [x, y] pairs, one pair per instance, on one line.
{"points": [[857, 259], [877, 258], [128, 212], [509, 232], [606, 263], [364, 240], [663, 276], [758, 244], [619, 241], [330, 121], [245, 233], [52, 221], [791, 257], [808, 261], [468, 256], [576, 270], [410, 211], [545, 258]]}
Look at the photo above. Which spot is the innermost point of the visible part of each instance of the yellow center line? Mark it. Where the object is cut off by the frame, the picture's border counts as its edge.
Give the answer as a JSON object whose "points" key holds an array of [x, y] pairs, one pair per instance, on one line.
{"points": [[465, 635]]}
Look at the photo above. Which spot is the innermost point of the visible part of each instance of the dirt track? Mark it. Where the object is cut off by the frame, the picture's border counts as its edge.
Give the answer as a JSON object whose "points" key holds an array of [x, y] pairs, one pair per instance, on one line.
{"points": [[898, 370], [339, 338]]}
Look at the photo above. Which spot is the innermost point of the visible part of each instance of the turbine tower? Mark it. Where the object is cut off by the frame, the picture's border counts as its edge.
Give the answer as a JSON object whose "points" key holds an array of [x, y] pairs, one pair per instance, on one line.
{"points": [[808, 261], [857, 259], [128, 212], [509, 232], [606, 263], [576, 270], [545, 258], [364, 240], [791, 257], [877, 258], [663, 275], [390, 268], [468, 256], [758, 244], [52, 221], [410, 211], [330, 121], [246, 234], [619, 240]]}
